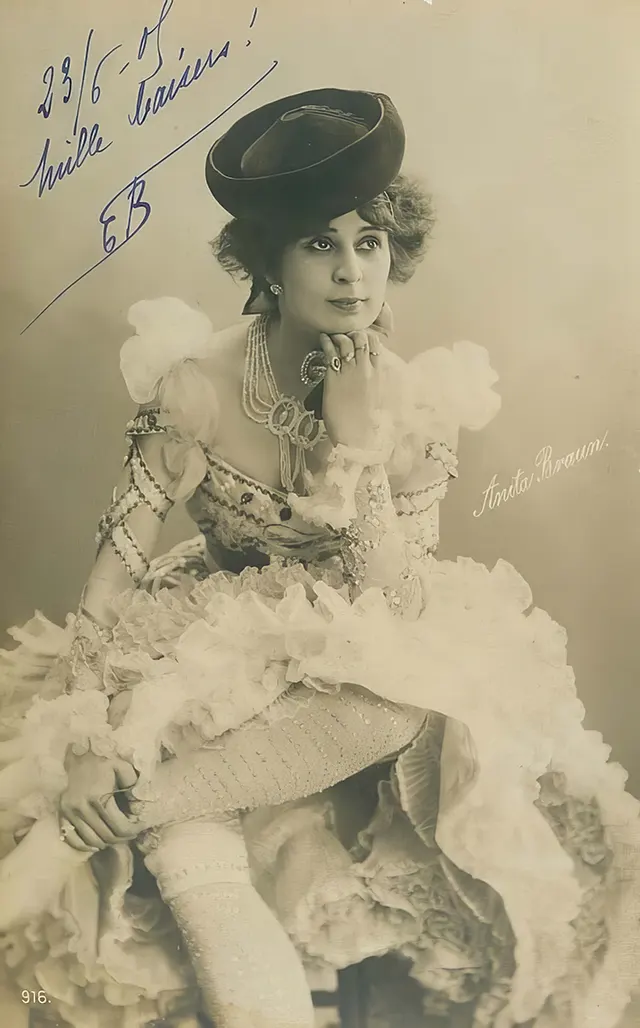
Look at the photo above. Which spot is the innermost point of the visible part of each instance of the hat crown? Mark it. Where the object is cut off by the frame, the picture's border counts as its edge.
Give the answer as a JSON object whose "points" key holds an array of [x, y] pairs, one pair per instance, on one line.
{"points": [[311, 156], [300, 138]]}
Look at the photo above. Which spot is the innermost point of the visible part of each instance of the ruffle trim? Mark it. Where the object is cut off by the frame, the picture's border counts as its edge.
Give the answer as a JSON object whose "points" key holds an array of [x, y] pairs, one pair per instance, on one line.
{"points": [[435, 394], [331, 494], [99, 948], [494, 665]]}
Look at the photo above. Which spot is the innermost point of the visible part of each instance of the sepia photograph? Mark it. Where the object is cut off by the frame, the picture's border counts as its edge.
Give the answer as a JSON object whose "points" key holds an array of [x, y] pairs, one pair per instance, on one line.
{"points": [[319, 529]]}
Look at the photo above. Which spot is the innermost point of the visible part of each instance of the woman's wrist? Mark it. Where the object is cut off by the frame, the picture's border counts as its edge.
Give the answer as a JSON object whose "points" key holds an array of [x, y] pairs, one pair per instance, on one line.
{"points": [[87, 652], [92, 625], [73, 759], [368, 455]]}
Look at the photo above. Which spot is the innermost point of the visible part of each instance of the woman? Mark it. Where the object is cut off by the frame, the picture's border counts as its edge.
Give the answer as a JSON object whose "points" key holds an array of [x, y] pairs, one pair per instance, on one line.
{"points": [[310, 637]]}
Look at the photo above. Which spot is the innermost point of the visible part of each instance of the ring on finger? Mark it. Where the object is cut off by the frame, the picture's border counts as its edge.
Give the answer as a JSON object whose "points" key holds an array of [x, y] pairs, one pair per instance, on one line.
{"points": [[335, 364], [374, 353], [66, 828], [349, 357], [69, 830], [359, 348]]}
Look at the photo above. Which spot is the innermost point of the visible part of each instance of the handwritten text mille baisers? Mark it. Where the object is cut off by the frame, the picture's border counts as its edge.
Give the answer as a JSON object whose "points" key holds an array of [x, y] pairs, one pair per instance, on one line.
{"points": [[546, 467]]}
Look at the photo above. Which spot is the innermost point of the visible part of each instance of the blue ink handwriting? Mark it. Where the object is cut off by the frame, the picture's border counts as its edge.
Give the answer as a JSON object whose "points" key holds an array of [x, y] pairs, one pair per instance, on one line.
{"points": [[126, 213], [89, 144], [67, 82], [132, 216], [252, 23], [164, 94], [62, 84]]}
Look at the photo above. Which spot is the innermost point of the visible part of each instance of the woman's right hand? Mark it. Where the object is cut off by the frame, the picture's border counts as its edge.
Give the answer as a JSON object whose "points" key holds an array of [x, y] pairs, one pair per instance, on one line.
{"points": [[352, 396], [90, 818]]}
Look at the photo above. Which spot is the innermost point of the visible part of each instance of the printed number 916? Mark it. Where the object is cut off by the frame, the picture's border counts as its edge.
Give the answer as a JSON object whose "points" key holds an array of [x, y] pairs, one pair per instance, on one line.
{"points": [[34, 997]]}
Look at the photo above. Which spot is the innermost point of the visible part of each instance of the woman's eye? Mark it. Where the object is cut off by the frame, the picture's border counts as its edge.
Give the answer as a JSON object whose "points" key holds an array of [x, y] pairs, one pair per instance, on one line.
{"points": [[323, 244]]}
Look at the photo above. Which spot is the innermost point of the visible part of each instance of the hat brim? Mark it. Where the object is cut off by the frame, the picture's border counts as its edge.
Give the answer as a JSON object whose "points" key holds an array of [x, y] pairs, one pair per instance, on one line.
{"points": [[324, 190]]}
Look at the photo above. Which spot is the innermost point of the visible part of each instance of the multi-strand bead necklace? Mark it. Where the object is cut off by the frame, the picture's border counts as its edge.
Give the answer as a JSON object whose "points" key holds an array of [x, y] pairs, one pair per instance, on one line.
{"points": [[296, 428]]}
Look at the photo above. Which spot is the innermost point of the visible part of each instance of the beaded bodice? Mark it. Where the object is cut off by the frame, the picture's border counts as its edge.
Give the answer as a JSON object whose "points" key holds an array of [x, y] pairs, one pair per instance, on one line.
{"points": [[245, 522]]}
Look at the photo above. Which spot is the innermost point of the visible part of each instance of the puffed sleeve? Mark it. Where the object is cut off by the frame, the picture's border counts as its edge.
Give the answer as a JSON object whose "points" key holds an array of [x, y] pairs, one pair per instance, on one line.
{"points": [[434, 395], [160, 366]]}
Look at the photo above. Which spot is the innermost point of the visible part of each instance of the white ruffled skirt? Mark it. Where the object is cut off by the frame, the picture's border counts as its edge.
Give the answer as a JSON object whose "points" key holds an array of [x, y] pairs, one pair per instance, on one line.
{"points": [[525, 898]]}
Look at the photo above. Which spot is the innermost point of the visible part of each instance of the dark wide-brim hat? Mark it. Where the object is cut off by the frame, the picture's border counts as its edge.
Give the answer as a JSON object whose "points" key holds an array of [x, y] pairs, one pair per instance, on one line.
{"points": [[314, 155]]}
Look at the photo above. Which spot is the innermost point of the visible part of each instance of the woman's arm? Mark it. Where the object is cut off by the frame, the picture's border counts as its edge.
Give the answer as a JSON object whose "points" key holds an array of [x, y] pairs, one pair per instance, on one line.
{"points": [[127, 535], [390, 528], [128, 529], [354, 494], [164, 464]]}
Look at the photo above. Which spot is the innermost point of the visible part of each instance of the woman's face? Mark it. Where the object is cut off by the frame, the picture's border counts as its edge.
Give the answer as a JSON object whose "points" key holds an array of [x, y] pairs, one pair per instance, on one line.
{"points": [[336, 281]]}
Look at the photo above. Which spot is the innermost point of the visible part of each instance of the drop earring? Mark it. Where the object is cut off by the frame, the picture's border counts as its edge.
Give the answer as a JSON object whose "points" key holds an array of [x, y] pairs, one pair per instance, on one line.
{"points": [[276, 289]]}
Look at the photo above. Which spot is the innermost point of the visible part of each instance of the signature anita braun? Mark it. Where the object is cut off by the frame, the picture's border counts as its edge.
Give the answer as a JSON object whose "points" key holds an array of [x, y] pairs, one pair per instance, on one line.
{"points": [[547, 466]]}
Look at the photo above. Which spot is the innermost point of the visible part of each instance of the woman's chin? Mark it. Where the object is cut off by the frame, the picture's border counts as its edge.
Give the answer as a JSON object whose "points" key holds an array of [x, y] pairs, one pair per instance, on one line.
{"points": [[343, 322]]}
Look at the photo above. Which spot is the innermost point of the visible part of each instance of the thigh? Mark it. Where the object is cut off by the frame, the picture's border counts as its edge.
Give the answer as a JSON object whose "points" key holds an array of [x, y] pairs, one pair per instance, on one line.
{"points": [[319, 740]]}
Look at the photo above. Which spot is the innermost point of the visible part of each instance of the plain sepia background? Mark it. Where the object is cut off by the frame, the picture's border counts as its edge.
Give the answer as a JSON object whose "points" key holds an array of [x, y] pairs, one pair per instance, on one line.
{"points": [[522, 119]]}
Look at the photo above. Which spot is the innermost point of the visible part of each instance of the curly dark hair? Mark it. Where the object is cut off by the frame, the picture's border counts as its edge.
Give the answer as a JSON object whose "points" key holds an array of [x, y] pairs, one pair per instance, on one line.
{"points": [[246, 250]]}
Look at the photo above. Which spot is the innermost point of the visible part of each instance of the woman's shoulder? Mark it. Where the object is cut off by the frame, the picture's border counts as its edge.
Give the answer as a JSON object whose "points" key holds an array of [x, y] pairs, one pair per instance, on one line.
{"points": [[177, 361], [169, 332]]}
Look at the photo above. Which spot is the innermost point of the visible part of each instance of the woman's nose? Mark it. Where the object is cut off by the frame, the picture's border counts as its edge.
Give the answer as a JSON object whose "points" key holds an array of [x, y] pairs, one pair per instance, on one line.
{"points": [[348, 267]]}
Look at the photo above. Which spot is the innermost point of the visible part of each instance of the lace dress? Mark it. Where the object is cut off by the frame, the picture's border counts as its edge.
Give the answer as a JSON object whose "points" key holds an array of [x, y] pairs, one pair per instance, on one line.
{"points": [[485, 839]]}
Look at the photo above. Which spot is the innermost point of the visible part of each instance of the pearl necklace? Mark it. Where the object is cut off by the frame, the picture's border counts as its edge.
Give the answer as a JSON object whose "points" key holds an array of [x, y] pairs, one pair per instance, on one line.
{"points": [[296, 428]]}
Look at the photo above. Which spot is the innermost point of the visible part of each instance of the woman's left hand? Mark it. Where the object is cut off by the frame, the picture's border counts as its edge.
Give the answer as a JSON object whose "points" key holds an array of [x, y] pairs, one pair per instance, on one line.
{"points": [[90, 819], [352, 394]]}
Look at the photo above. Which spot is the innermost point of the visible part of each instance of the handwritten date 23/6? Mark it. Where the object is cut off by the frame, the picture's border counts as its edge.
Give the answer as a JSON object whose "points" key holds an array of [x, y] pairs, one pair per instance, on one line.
{"points": [[67, 82]]}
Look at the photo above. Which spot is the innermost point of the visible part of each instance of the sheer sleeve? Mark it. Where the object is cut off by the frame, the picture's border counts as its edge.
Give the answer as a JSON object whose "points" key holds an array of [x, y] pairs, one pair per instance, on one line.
{"points": [[164, 464], [385, 503]]}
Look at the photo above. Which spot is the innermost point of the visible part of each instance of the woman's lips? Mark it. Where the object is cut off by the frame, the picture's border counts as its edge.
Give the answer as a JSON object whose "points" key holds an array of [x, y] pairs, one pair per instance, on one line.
{"points": [[349, 306]]}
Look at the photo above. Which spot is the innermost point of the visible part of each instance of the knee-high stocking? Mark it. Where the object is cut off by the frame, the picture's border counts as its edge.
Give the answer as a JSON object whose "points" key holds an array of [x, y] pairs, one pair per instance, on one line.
{"points": [[247, 967]]}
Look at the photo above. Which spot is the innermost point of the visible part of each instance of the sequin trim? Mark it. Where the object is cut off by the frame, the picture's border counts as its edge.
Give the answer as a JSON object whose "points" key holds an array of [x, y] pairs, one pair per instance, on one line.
{"points": [[129, 552], [419, 501], [445, 456], [277, 495], [145, 423], [366, 531], [143, 490]]}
